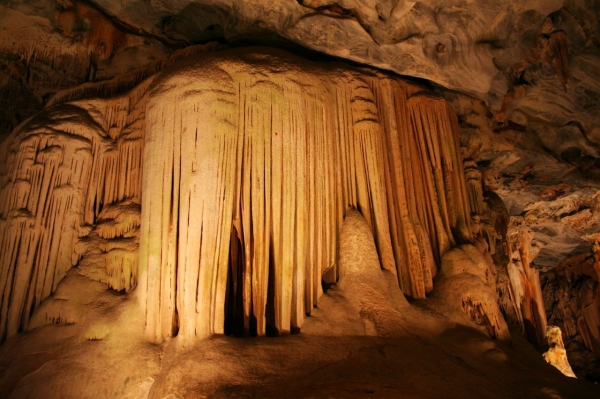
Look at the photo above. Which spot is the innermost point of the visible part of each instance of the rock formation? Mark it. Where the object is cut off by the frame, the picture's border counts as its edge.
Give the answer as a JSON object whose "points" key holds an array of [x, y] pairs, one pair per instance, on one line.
{"points": [[478, 48], [556, 354], [71, 195], [278, 152], [526, 288], [221, 188], [380, 306], [270, 156], [571, 296]]}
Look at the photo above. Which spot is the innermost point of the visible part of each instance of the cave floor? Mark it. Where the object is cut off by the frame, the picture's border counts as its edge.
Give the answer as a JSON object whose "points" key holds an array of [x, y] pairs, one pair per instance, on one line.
{"points": [[331, 358]]}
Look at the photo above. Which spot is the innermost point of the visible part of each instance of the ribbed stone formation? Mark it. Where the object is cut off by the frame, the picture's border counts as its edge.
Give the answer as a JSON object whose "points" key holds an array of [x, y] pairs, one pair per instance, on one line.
{"points": [[251, 159], [271, 150], [70, 195], [221, 193]]}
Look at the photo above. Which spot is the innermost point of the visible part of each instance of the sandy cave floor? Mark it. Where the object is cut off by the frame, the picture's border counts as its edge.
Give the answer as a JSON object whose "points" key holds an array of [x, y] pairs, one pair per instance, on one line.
{"points": [[331, 357]]}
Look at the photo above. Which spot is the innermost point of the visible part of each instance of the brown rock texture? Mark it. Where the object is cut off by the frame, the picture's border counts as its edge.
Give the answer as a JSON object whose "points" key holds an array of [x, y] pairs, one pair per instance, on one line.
{"points": [[143, 176], [572, 298], [71, 195]]}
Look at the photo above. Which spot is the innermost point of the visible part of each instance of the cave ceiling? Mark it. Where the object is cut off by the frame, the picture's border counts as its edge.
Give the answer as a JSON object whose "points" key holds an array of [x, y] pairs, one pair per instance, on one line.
{"points": [[479, 48]]}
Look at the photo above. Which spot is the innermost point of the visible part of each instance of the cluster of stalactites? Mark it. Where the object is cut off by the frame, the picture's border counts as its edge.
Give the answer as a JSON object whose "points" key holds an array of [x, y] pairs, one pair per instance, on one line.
{"points": [[63, 168], [482, 231], [474, 187], [248, 174], [525, 287]]}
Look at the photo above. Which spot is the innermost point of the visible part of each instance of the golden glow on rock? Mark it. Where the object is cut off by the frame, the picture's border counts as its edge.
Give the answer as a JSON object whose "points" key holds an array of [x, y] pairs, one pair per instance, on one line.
{"points": [[279, 148]]}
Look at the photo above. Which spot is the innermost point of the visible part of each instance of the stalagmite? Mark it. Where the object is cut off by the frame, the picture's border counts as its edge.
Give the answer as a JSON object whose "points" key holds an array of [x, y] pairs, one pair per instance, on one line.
{"points": [[378, 304], [573, 288], [556, 354]]}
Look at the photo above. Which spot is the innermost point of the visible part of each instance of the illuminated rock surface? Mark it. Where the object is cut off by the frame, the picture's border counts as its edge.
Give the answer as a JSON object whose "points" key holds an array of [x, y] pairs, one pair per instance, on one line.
{"points": [[278, 150], [363, 340], [146, 165], [261, 154], [556, 354], [236, 174]]}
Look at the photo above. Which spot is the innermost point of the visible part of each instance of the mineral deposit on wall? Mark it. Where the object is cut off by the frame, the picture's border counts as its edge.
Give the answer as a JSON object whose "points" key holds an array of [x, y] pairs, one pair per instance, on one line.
{"points": [[263, 153], [250, 161]]}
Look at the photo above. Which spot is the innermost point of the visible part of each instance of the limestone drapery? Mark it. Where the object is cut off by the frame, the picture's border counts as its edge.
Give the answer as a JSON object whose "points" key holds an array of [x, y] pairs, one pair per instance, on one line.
{"points": [[279, 148], [255, 144]]}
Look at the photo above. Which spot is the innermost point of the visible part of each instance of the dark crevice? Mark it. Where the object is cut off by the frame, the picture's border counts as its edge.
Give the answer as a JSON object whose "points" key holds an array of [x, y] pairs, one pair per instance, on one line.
{"points": [[326, 286], [175, 323], [510, 125], [271, 324], [175, 327], [573, 212], [234, 297]]}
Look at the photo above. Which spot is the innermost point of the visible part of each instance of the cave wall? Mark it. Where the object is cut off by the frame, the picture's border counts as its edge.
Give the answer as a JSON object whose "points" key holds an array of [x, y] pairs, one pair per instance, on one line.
{"points": [[480, 48], [254, 148], [534, 138]]}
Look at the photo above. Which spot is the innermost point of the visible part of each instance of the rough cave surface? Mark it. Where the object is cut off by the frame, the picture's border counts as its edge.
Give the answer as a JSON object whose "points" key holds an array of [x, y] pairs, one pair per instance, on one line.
{"points": [[164, 181]]}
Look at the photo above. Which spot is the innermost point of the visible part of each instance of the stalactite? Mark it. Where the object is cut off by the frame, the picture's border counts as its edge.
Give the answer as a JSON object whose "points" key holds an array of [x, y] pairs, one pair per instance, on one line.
{"points": [[526, 288], [36, 56], [559, 47], [474, 186], [60, 186], [250, 161], [498, 216], [280, 150], [45, 172], [488, 211]]}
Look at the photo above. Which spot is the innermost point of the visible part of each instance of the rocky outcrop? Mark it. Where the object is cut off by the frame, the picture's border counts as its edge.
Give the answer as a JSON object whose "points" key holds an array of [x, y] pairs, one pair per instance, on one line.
{"points": [[553, 221], [466, 46]]}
